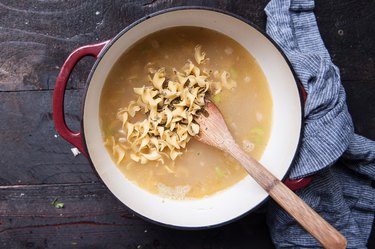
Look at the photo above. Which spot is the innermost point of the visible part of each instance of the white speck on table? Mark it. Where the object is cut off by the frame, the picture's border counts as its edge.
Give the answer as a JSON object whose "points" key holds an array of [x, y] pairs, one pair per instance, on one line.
{"points": [[75, 151]]}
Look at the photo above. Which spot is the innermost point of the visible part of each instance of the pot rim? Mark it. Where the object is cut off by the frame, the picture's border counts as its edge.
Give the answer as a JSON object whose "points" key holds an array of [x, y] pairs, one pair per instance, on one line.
{"points": [[157, 13]]}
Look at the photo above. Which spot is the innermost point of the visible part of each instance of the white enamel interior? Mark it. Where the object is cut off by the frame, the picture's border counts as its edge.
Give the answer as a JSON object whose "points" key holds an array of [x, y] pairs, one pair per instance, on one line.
{"points": [[244, 196]]}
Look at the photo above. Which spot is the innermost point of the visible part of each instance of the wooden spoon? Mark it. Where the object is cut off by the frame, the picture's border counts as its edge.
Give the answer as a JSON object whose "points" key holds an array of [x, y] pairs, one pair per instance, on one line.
{"points": [[214, 132]]}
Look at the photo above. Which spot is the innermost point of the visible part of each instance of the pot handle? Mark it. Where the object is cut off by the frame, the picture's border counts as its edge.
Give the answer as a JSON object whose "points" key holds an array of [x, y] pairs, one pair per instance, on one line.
{"points": [[75, 138], [305, 181], [298, 183]]}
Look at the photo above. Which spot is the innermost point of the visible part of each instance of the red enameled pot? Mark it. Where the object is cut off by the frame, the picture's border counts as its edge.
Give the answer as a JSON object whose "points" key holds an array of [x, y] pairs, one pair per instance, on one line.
{"points": [[228, 204]]}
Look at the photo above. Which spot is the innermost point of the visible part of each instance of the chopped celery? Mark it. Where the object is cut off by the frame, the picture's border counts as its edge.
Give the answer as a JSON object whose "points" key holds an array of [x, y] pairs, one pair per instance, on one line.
{"points": [[219, 172], [109, 132], [257, 135], [146, 49], [57, 204], [233, 73], [258, 131], [216, 98]]}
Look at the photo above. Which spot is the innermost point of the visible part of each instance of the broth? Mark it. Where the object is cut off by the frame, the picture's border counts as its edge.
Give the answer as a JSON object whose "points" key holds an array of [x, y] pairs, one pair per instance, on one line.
{"points": [[201, 170]]}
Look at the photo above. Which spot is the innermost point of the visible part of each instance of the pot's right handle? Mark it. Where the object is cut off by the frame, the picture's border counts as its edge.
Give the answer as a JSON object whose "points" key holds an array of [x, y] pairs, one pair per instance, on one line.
{"points": [[305, 181], [72, 137]]}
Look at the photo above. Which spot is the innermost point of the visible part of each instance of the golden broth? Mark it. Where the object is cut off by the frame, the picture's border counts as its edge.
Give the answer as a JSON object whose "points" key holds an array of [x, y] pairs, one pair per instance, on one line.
{"points": [[202, 170]]}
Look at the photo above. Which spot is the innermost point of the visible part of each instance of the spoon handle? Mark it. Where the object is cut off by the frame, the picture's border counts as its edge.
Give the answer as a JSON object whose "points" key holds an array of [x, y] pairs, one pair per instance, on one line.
{"points": [[327, 235]]}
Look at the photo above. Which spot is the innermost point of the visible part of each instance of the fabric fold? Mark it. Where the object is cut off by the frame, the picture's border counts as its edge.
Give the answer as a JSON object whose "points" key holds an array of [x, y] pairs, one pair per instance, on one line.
{"points": [[342, 163], [328, 128]]}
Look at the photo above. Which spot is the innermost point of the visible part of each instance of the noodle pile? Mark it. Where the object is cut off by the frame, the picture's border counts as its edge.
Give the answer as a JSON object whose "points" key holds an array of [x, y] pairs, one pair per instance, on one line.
{"points": [[170, 102]]}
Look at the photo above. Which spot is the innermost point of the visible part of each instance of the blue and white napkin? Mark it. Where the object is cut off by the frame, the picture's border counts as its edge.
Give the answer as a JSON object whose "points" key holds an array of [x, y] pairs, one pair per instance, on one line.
{"points": [[343, 163]]}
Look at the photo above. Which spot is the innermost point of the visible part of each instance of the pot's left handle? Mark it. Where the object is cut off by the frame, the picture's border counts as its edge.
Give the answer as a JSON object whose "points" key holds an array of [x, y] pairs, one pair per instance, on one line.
{"points": [[61, 127]]}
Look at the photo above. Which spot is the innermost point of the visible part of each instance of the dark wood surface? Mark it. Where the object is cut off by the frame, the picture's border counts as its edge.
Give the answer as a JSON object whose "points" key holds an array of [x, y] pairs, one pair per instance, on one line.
{"points": [[36, 166]]}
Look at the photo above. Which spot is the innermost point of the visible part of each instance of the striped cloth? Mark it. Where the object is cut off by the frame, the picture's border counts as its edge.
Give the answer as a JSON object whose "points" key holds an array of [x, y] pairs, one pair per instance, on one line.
{"points": [[343, 163]]}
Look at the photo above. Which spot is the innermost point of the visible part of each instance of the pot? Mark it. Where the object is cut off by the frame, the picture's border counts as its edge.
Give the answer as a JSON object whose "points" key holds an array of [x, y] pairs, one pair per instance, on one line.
{"points": [[225, 205]]}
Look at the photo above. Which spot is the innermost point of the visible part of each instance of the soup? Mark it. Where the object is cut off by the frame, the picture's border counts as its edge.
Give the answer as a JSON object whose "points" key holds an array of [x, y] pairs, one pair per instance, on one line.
{"points": [[200, 170]]}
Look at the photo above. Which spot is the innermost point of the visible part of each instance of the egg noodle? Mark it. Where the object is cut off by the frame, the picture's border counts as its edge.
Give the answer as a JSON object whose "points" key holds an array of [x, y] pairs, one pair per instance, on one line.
{"points": [[169, 105]]}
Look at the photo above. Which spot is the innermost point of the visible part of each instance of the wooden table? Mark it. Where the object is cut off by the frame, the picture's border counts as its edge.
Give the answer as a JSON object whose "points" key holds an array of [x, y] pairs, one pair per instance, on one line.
{"points": [[37, 166]]}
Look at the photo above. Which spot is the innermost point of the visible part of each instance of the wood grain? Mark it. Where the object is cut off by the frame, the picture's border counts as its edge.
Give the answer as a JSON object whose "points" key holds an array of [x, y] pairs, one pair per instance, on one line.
{"points": [[348, 37], [93, 218], [35, 39], [32, 151]]}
